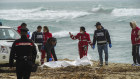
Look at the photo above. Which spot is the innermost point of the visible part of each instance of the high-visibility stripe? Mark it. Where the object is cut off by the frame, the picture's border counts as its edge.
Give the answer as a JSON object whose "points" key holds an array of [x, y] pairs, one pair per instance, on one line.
{"points": [[24, 44], [39, 43], [83, 40], [102, 41], [88, 41]]}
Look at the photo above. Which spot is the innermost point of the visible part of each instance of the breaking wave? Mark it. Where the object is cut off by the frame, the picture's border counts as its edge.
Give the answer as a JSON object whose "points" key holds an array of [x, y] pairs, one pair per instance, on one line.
{"points": [[65, 34], [101, 9], [40, 14], [126, 12], [45, 14], [117, 11]]}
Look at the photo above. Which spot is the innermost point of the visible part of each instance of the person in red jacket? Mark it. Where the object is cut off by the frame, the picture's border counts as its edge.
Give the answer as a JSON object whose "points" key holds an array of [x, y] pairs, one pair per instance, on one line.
{"points": [[23, 25], [84, 40], [46, 36], [135, 40]]}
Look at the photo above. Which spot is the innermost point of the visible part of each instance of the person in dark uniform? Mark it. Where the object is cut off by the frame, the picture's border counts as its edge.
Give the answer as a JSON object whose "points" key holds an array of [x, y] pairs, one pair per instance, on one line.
{"points": [[102, 37], [24, 52], [37, 37], [49, 48]]}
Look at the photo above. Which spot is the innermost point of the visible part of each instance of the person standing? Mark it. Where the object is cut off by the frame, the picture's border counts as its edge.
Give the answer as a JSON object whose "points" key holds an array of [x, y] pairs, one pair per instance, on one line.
{"points": [[24, 52], [23, 25], [84, 40], [102, 37], [37, 37], [135, 40], [46, 36], [49, 49]]}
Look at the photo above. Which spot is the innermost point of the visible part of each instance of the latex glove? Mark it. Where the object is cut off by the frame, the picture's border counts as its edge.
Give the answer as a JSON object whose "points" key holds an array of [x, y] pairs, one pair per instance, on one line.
{"points": [[93, 46], [110, 45], [50, 59]]}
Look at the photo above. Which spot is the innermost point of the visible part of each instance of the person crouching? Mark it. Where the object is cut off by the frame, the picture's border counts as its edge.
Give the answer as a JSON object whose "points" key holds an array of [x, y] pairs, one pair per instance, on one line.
{"points": [[49, 49]]}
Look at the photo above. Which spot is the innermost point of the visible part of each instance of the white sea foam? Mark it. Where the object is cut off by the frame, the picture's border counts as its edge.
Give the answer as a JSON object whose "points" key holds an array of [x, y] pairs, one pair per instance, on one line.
{"points": [[117, 11], [63, 34], [126, 12], [39, 14], [101, 9]]}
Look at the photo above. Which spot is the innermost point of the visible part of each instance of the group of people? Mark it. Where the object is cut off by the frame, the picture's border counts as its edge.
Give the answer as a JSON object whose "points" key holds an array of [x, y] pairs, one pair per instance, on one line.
{"points": [[24, 50], [101, 36], [42, 39], [46, 44]]}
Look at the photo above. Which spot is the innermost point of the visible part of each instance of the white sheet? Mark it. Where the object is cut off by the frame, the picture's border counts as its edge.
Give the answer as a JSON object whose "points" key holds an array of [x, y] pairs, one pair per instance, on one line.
{"points": [[78, 62]]}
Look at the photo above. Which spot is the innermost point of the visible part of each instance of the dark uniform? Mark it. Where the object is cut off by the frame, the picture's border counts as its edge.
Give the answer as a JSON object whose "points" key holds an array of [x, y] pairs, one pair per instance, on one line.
{"points": [[49, 48], [101, 36], [37, 37], [103, 39], [24, 52]]}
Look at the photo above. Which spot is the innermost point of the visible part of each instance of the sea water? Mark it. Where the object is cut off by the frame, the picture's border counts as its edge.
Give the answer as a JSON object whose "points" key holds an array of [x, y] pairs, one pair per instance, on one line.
{"points": [[63, 17]]}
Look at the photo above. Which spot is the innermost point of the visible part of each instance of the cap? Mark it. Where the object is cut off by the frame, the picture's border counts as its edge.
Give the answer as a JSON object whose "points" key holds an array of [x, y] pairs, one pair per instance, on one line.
{"points": [[98, 23], [24, 29], [83, 28]]}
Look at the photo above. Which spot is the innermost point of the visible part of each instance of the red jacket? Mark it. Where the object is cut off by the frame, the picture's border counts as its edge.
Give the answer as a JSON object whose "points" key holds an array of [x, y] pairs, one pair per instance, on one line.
{"points": [[84, 39], [46, 36], [134, 36], [18, 30]]}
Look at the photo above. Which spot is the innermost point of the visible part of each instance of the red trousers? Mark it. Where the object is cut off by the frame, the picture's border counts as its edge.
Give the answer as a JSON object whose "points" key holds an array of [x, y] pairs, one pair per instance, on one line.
{"points": [[43, 56], [83, 49]]}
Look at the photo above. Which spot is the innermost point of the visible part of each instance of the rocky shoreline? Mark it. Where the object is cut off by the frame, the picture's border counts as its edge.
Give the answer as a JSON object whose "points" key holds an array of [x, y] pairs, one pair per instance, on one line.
{"points": [[112, 71]]}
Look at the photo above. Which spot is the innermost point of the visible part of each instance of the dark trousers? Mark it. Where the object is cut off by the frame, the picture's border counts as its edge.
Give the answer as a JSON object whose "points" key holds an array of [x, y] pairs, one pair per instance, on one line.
{"points": [[23, 70], [135, 53], [53, 54]]}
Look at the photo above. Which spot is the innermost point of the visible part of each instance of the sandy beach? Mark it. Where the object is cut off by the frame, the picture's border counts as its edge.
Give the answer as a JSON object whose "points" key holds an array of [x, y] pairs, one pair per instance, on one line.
{"points": [[112, 71]]}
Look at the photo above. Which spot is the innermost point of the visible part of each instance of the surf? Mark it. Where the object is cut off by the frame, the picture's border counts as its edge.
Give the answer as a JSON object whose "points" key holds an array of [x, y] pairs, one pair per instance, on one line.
{"points": [[40, 13], [126, 12], [101, 9]]}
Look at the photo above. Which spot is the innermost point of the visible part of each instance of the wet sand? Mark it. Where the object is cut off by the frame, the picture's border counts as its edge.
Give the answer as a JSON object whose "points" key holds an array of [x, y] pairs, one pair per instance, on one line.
{"points": [[112, 71]]}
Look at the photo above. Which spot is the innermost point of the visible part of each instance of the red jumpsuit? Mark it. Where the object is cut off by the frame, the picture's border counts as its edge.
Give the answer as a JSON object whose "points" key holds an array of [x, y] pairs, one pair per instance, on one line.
{"points": [[46, 36], [84, 40]]}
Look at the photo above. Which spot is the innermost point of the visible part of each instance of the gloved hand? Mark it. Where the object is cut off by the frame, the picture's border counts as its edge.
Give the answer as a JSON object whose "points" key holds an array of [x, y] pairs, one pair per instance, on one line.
{"points": [[50, 59], [110, 45], [93, 46]]}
